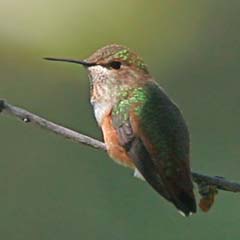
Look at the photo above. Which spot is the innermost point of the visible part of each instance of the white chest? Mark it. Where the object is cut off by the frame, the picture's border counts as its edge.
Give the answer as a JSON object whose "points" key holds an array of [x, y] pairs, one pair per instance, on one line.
{"points": [[101, 110]]}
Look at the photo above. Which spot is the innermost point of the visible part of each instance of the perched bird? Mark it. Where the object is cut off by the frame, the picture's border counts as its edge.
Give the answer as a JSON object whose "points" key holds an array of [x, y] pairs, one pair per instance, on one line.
{"points": [[142, 127]]}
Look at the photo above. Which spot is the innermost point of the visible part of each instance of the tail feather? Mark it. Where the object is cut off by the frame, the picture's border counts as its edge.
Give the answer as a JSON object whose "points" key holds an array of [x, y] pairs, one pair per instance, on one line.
{"points": [[185, 203]]}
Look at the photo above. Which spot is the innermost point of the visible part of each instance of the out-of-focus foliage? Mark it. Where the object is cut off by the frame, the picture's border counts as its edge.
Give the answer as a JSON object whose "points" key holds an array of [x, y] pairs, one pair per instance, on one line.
{"points": [[54, 189]]}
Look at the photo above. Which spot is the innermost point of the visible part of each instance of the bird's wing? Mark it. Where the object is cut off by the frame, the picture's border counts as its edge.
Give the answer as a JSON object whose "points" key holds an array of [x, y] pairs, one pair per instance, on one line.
{"points": [[152, 131]]}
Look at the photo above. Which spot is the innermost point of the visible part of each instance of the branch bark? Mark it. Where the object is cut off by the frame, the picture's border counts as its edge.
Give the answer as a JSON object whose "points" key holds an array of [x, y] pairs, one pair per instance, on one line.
{"points": [[30, 118]]}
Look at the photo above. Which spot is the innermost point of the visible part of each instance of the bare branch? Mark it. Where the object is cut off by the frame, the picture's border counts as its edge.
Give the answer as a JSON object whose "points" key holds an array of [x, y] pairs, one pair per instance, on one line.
{"points": [[27, 117], [31, 118]]}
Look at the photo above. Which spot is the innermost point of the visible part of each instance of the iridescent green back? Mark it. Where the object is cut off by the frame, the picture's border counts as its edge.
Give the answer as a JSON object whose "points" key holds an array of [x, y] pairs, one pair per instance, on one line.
{"points": [[160, 120]]}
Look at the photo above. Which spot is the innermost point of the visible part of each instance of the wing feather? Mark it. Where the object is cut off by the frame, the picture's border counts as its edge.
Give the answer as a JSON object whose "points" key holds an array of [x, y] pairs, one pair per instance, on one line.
{"points": [[156, 138]]}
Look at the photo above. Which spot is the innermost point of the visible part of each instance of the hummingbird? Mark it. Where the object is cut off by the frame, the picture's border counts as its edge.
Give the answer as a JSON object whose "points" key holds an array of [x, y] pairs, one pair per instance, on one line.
{"points": [[143, 129]]}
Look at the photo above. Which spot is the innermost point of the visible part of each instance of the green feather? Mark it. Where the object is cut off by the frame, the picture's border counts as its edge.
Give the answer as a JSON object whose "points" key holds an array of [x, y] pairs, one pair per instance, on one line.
{"points": [[129, 97], [160, 120]]}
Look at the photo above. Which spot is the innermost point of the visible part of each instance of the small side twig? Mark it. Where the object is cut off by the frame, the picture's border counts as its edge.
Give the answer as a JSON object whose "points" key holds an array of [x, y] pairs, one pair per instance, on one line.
{"points": [[28, 117]]}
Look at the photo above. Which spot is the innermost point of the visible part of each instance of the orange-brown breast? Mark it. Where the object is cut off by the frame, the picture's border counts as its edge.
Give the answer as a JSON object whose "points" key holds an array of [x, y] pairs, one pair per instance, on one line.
{"points": [[115, 150]]}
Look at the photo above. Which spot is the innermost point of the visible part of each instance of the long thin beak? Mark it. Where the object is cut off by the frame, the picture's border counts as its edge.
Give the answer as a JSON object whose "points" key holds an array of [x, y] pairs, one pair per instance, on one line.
{"points": [[82, 62]]}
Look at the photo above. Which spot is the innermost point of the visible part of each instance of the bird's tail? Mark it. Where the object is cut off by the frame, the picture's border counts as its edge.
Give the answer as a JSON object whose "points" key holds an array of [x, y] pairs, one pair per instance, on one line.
{"points": [[185, 203]]}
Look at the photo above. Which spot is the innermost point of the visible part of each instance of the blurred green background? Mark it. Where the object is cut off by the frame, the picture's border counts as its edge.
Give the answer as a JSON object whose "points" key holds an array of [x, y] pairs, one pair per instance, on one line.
{"points": [[51, 188]]}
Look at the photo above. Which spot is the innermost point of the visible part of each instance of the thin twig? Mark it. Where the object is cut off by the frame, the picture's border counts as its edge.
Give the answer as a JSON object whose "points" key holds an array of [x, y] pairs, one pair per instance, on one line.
{"points": [[31, 118], [28, 117]]}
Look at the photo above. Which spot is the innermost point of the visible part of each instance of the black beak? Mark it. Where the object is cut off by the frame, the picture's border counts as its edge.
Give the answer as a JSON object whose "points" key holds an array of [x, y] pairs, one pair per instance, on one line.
{"points": [[82, 62]]}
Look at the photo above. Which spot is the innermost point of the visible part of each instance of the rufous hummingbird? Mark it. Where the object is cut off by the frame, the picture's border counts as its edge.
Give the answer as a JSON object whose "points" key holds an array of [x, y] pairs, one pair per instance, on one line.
{"points": [[142, 127]]}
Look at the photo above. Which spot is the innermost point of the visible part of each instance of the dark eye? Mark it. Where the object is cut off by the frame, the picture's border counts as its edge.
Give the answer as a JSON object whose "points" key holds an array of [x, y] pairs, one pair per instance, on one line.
{"points": [[115, 65]]}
